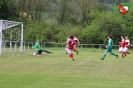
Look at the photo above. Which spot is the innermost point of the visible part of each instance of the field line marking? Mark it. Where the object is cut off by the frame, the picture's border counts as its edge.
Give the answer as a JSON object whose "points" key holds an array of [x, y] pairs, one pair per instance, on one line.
{"points": [[85, 61]]}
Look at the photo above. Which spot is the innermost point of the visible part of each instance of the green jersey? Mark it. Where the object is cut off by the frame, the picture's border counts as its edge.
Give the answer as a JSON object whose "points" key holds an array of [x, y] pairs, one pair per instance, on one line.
{"points": [[37, 46], [110, 43], [109, 49]]}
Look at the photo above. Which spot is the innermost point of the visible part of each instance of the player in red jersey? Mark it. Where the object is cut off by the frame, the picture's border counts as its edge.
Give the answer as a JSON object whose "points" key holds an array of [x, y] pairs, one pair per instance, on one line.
{"points": [[71, 44], [127, 45], [122, 46], [76, 43]]}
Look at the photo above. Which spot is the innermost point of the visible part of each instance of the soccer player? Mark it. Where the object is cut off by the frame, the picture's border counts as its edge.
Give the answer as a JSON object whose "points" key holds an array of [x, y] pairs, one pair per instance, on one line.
{"points": [[127, 45], [109, 48], [71, 44], [122, 46], [76, 43], [39, 50]]}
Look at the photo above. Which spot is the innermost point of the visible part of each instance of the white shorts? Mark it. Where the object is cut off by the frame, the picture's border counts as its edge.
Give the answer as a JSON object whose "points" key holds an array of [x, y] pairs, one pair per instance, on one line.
{"points": [[125, 49], [69, 51], [121, 49]]}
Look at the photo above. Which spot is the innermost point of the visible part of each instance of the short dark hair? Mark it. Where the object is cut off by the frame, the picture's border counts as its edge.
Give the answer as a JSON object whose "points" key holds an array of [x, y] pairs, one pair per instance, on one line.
{"points": [[122, 35], [71, 37], [110, 36]]}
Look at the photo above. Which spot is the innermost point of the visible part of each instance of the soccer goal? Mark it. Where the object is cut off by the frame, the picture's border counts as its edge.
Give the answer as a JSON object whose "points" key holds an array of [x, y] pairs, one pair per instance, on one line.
{"points": [[8, 25]]}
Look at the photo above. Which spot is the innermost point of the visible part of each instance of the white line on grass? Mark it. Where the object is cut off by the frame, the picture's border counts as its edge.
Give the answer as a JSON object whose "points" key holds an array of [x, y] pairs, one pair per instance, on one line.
{"points": [[85, 61]]}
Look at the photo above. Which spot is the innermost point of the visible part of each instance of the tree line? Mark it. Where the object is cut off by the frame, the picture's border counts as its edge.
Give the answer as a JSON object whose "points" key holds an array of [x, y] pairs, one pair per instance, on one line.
{"points": [[53, 20]]}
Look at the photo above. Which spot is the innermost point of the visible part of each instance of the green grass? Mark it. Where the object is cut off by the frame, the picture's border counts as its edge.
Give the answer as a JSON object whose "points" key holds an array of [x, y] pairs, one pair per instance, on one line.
{"points": [[57, 70]]}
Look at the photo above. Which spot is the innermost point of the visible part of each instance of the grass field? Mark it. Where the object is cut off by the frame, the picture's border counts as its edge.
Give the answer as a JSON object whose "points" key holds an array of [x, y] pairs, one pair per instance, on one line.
{"points": [[57, 70]]}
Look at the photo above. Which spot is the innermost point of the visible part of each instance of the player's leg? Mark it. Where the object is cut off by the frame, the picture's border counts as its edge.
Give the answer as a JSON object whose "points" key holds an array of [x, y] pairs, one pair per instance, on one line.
{"points": [[111, 53], [126, 51], [121, 50], [39, 52], [70, 54], [104, 55], [47, 51], [74, 49]]}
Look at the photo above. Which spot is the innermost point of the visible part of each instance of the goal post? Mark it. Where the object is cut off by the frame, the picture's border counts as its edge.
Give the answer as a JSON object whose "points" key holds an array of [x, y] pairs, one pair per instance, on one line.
{"points": [[21, 42], [5, 24], [0, 37]]}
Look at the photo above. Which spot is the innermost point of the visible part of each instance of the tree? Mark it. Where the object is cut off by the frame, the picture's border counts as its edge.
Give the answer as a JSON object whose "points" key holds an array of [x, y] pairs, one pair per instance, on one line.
{"points": [[8, 9], [106, 23], [31, 9]]}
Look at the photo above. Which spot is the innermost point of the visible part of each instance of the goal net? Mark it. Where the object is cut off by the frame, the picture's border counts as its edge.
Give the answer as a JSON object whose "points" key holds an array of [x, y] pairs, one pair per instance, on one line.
{"points": [[9, 29]]}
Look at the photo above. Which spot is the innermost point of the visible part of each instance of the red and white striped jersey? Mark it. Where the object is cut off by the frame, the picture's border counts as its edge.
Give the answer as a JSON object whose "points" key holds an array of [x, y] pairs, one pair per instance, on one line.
{"points": [[127, 43], [76, 40], [71, 44], [122, 44]]}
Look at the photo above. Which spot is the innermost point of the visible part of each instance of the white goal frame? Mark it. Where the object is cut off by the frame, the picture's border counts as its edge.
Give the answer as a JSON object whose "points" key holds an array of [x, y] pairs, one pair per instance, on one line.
{"points": [[5, 24]]}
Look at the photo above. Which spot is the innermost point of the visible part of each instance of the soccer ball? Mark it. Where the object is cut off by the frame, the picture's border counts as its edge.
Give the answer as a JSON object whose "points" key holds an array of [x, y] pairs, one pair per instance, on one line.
{"points": [[34, 54]]}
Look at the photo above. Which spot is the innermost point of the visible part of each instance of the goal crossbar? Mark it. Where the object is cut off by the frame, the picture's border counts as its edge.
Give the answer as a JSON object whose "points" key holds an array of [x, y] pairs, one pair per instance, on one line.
{"points": [[5, 24]]}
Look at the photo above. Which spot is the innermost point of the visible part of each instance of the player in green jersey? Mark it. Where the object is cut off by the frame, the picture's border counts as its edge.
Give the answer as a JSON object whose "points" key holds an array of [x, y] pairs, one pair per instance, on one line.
{"points": [[38, 47], [109, 48], [39, 50]]}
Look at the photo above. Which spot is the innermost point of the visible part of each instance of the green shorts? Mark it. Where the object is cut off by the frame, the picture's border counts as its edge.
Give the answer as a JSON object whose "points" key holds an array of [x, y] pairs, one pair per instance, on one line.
{"points": [[109, 50]]}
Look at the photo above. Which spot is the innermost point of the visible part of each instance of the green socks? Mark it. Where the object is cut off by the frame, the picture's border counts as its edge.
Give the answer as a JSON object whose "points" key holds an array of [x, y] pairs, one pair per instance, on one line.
{"points": [[103, 56], [113, 54]]}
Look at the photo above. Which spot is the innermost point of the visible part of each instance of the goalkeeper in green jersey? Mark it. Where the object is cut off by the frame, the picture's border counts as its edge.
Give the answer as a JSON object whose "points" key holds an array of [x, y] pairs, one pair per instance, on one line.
{"points": [[39, 50], [109, 48], [38, 47]]}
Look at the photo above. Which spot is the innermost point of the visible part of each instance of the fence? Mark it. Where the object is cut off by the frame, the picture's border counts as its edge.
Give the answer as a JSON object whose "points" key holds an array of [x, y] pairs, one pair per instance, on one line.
{"points": [[14, 46]]}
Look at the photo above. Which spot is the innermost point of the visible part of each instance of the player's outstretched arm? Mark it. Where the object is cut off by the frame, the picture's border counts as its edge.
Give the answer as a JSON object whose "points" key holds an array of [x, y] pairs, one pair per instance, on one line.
{"points": [[78, 43]]}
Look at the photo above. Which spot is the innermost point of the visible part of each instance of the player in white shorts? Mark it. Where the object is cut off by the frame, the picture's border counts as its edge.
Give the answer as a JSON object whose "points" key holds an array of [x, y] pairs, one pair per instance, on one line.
{"points": [[122, 46], [127, 45], [76, 43]]}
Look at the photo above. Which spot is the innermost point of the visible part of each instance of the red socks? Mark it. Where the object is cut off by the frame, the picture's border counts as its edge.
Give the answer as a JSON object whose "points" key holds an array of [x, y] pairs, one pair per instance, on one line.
{"points": [[71, 56], [122, 55], [75, 50], [127, 52]]}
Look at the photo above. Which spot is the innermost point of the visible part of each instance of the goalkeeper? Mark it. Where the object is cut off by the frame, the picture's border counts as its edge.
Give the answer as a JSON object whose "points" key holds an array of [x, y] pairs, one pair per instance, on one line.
{"points": [[38, 47]]}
